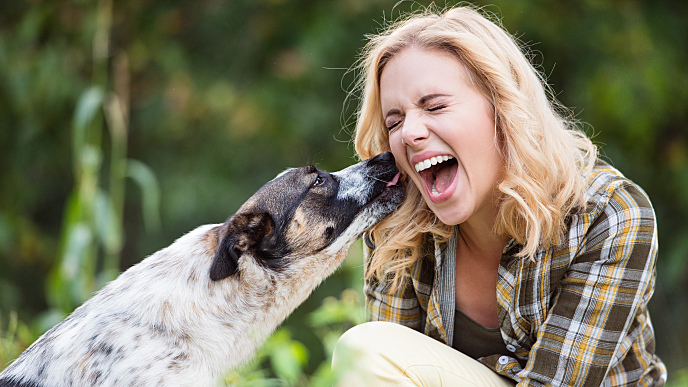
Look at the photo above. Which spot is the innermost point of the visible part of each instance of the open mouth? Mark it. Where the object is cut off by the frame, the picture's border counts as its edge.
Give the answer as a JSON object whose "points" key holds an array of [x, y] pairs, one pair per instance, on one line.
{"points": [[438, 174]]}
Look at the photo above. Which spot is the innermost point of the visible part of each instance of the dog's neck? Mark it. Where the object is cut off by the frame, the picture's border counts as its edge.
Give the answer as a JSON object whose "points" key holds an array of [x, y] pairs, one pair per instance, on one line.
{"points": [[241, 310]]}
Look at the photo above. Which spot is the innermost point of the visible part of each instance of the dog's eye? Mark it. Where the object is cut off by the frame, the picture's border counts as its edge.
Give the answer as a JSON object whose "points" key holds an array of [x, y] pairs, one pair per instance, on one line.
{"points": [[319, 180]]}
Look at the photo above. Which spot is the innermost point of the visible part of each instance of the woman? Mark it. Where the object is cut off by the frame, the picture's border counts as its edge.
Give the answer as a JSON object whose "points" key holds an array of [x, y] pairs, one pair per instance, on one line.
{"points": [[517, 256]]}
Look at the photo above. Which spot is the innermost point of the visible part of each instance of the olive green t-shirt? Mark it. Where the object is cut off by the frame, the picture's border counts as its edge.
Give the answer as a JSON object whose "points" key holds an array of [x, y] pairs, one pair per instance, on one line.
{"points": [[476, 340]]}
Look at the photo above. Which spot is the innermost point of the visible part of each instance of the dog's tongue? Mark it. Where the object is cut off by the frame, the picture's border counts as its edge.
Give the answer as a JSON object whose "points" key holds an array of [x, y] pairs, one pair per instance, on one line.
{"points": [[394, 180]]}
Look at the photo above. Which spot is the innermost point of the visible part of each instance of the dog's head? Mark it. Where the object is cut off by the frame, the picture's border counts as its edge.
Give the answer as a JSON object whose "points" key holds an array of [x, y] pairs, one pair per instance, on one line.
{"points": [[305, 211]]}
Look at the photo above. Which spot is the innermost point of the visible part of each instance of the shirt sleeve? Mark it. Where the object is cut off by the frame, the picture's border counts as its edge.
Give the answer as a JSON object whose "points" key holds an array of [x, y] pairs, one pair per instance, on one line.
{"points": [[594, 318], [400, 307]]}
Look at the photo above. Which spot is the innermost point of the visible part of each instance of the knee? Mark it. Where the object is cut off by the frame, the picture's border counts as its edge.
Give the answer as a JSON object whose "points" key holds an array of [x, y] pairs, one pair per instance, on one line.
{"points": [[359, 354], [368, 341]]}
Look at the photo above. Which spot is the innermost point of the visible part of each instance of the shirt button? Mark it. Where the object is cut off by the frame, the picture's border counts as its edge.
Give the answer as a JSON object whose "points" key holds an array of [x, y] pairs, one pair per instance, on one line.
{"points": [[510, 348], [503, 360]]}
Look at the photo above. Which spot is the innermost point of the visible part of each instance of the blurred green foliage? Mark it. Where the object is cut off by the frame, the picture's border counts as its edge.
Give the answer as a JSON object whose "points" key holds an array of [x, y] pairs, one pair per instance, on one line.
{"points": [[120, 116]]}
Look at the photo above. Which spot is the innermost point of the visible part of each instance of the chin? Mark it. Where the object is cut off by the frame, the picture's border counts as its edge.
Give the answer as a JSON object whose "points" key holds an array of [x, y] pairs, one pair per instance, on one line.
{"points": [[449, 215]]}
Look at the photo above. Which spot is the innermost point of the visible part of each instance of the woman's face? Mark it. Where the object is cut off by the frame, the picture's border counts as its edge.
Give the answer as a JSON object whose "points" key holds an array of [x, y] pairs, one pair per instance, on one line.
{"points": [[442, 134]]}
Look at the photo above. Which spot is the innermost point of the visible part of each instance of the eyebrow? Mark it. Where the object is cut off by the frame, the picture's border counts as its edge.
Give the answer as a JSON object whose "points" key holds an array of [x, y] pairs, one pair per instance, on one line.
{"points": [[392, 112], [428, 97], [422, 101]]}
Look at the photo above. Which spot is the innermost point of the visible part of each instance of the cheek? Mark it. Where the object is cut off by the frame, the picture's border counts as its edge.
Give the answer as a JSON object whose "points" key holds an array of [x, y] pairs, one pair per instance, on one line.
{"points": [[396, 146], [399, 152]]}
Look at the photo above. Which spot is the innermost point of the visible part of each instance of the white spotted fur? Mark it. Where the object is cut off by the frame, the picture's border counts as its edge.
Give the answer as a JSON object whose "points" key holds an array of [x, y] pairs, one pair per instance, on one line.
{"points": [[164, 322]]}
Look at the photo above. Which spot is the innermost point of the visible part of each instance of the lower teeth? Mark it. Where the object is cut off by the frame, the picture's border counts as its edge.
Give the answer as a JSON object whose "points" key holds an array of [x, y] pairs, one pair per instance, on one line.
{"points": [[434, 190]]}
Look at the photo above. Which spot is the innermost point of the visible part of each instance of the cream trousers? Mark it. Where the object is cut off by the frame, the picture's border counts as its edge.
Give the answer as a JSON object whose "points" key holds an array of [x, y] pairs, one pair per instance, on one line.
{"points": [[385, 354]]}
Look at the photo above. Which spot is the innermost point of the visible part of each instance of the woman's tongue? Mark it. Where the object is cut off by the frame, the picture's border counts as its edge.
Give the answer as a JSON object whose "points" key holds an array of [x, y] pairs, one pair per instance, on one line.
{"points": [[438, 179]]}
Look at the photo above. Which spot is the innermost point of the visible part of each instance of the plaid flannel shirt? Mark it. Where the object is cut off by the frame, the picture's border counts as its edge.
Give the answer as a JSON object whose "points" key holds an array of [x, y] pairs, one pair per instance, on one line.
{"points": [[577, 316]]}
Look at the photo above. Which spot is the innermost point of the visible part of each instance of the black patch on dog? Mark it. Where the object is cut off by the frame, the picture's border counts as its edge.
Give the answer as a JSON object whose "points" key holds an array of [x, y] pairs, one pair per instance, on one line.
{"points": [[12, 382], [244, 232]]}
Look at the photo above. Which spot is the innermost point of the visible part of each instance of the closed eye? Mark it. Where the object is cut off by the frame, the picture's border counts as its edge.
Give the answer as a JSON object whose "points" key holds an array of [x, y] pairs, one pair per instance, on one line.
{"points": [[394, 125], [436, 108]]}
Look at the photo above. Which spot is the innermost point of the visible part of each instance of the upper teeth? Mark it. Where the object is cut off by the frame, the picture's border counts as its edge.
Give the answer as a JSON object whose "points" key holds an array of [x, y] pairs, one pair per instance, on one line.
{"points": [[425, 164]]}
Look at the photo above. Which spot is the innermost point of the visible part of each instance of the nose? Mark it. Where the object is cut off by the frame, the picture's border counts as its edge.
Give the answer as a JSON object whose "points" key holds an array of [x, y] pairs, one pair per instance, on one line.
{"points": [[414, 130], [382, 158]]}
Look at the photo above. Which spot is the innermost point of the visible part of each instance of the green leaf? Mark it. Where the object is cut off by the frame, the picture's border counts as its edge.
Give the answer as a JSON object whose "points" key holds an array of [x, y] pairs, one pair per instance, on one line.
{"points": [[287, 356], [87, 106], [349, 309], [67, 283], [79, 238], [288, 359], [150, 191], [107, 222]]}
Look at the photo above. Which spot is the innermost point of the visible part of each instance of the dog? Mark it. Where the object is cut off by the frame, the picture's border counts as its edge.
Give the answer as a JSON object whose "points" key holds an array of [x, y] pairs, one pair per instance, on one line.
{"points": [[196, 309]]}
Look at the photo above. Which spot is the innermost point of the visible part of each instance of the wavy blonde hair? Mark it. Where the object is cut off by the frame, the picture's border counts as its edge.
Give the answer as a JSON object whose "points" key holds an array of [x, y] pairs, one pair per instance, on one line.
{"points": [[546, 153]]}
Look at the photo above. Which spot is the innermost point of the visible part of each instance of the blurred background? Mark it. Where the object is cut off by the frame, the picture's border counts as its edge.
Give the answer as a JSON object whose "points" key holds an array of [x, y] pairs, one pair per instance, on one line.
{"points": [[124, 124]]}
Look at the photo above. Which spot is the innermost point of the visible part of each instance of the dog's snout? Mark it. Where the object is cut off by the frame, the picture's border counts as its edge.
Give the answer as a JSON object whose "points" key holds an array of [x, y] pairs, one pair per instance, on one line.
{"points": [[385, 158], [383, 164]]}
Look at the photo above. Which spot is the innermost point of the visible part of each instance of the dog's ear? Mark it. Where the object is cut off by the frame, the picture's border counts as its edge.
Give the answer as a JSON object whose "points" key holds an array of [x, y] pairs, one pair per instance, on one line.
{"points": [[241, 233]]}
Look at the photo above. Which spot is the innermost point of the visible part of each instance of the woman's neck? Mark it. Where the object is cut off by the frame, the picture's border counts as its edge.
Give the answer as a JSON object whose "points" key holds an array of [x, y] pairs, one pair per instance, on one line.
{"points": [[479, 241]]}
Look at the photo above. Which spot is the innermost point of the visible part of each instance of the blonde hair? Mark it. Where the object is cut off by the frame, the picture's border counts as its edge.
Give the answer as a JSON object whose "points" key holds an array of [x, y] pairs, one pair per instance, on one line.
{"points": [[546, 153]]}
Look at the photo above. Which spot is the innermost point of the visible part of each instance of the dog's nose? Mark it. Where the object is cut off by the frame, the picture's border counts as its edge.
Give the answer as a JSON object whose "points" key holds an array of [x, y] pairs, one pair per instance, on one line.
{"points": [[383, 158]]}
